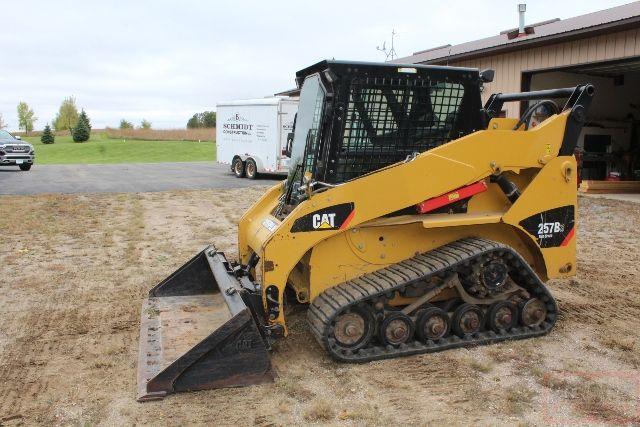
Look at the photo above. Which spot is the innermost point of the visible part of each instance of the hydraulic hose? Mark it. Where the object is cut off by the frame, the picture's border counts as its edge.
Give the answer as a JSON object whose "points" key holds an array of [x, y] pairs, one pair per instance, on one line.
{"points": [[529, 112]]}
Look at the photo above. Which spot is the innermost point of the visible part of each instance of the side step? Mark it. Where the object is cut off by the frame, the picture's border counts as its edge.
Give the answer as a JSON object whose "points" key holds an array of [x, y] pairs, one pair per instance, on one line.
{"points": [[197, 332]]}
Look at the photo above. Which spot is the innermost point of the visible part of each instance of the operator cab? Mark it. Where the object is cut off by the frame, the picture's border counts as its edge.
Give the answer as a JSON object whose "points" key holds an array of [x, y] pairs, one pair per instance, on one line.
{"points": [[358, 117]]}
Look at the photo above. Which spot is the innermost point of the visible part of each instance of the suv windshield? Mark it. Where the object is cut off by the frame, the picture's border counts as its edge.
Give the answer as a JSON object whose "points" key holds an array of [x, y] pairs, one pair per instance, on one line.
{"points": [[307, 127], [5, 135]]}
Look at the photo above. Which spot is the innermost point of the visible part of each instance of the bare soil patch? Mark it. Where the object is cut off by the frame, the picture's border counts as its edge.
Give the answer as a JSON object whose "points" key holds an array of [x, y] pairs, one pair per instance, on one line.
{"points": [[75, 269]]}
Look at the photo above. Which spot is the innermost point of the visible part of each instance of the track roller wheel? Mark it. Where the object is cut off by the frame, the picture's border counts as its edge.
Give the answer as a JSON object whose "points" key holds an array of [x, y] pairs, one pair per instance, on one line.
{"points": [[533, 312], [502, 316], [467, 319], [396, 328], [433, 324], [354, 328]]}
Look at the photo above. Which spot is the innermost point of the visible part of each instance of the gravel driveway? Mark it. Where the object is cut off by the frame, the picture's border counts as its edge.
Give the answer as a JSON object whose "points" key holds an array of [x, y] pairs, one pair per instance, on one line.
{"points": [[123, 178]]}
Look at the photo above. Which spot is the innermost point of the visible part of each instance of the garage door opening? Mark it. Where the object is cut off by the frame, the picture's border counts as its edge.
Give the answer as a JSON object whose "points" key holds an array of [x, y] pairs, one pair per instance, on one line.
{"points": [[609, 145]]}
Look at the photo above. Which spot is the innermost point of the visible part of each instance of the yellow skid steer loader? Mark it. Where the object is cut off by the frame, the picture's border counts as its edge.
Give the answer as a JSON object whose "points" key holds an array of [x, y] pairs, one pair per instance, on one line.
{"points": [[413, 220]]}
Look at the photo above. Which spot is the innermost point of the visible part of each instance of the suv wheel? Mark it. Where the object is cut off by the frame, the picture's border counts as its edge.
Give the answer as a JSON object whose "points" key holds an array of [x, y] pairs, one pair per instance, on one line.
{"points": [[238, 167], [251, 169], [25, 167]]}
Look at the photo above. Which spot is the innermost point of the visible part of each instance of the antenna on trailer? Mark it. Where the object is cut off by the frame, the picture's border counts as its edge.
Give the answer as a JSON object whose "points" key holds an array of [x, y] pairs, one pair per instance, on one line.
{"points": [[391, 54]]}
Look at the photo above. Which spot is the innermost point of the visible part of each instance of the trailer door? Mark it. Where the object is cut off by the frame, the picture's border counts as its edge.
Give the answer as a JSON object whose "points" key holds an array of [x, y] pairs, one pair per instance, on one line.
{"points": [[286, 115]]}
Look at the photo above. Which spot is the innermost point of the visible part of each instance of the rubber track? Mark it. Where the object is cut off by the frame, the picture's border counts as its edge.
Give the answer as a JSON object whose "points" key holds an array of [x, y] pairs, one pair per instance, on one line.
{"points": [[334, 301]]}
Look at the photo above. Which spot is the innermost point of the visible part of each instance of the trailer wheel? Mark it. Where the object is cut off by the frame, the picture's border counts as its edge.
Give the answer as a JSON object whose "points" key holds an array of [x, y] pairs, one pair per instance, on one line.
{"points": [[238, 167], [251, 169]]}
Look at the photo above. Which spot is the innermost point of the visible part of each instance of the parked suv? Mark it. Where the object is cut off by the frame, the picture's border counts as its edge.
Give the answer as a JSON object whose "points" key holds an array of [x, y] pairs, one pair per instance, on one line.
{"points": [[14, 151]]}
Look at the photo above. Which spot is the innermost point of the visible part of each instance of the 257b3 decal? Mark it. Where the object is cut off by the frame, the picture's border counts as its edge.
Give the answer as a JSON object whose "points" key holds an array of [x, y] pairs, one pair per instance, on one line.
{"points": [[551, 228], [547, 229]]}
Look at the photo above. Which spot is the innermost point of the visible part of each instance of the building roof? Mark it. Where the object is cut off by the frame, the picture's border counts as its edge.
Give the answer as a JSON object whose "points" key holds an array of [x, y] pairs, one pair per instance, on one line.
{"points": [[541, 33], [289, 92]]}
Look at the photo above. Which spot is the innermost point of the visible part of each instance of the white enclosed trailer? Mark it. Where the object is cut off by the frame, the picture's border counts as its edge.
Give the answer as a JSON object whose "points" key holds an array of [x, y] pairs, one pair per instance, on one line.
{"points": [[252, 134]]}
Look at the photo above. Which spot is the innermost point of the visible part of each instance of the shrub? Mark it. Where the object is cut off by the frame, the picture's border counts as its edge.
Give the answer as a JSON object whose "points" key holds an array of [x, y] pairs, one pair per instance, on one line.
{"points": [[125, 124], [320, 410], [47, 136]]}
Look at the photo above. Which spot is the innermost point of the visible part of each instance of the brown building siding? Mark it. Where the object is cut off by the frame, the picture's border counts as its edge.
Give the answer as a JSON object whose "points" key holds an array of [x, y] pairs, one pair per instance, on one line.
{"points": [[510, 66]]}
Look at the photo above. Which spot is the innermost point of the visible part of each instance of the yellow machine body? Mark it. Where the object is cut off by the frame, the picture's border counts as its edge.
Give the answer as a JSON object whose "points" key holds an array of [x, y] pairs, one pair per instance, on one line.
{"points": [[312, 262]]}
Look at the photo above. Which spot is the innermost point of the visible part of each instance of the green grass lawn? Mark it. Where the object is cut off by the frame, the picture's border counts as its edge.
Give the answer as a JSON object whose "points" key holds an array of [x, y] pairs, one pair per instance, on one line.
{"points": [[100, 149]]}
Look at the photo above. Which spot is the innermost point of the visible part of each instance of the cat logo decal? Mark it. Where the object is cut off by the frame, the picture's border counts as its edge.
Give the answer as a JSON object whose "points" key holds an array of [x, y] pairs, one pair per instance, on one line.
{"points": [[331, 218], [323, 221]]}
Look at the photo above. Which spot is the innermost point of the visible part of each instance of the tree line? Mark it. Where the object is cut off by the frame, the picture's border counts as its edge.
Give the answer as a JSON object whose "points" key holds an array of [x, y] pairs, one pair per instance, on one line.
{"points": [[69, 118], [144, 124], [206, 119]]}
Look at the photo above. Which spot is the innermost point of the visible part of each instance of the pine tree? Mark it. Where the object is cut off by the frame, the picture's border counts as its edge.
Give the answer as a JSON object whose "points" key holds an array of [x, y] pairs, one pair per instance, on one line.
{"points": [[47, 136], [84, 116], [82, 131]]}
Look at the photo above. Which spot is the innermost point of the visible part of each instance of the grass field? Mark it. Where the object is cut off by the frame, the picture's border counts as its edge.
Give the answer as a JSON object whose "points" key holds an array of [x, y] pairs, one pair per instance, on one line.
{"points": [[101, 149]]}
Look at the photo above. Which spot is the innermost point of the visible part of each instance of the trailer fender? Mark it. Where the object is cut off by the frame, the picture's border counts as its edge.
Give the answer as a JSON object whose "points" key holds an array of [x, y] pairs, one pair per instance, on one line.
{"points": [[244, 157], [259, 163]]}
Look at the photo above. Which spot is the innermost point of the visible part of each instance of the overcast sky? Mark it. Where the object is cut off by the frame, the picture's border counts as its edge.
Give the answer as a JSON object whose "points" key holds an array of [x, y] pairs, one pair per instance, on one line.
{"points": [[165, 60]]}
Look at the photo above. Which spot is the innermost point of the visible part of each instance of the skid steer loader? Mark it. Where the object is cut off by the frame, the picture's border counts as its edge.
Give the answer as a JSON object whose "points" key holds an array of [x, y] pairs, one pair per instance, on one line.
{"points": [[412, 220]]}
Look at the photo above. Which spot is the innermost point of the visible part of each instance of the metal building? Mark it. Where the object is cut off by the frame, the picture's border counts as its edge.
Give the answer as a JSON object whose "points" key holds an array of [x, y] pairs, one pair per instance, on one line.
{"points": [[601, 47]]}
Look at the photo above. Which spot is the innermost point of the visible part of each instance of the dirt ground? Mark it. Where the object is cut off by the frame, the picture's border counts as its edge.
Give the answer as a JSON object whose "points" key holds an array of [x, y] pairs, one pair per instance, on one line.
{"points": [[75, 269]]}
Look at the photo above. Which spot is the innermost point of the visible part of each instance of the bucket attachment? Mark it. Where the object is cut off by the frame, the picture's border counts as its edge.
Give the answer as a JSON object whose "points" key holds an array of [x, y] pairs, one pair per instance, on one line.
{"points": [[199, 330]]}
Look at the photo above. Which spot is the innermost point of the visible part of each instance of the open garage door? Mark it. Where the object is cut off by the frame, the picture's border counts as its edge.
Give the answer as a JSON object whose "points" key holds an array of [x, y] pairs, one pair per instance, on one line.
{"points": [[608, 147]]}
